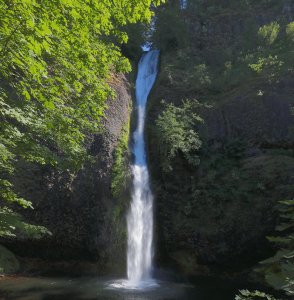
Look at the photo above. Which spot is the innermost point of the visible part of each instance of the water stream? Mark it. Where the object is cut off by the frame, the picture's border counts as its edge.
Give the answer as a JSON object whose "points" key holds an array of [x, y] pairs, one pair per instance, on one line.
{"points": [[140, 217]]}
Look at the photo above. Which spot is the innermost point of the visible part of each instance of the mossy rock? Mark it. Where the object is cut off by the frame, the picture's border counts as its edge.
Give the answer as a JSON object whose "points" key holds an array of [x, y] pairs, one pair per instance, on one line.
{"points": [[8, 262]]}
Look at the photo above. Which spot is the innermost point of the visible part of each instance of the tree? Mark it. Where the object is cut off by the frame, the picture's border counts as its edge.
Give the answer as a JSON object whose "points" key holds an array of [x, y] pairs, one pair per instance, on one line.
{"points": [[56, 59], [176, 127]]}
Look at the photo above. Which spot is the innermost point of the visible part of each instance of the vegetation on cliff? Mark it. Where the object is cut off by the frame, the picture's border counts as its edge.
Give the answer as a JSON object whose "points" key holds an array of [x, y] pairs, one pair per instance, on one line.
{"points": [[120, 169], [237, 58], [177, 134]]}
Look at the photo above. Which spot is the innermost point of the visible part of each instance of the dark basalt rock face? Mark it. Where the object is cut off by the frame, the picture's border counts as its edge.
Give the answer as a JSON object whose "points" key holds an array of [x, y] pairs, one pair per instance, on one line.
{"points": [[215, 217], [262, 120], [219, 214], [79, 210]]}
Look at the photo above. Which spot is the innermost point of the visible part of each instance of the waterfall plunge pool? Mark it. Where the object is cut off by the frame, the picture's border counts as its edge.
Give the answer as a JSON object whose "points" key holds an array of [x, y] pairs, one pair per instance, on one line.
{"points": [[93, 288]]}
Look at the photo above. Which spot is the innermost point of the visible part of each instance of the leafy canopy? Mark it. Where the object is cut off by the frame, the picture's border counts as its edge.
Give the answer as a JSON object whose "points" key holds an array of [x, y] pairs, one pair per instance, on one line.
{"points": [[56, 59]]}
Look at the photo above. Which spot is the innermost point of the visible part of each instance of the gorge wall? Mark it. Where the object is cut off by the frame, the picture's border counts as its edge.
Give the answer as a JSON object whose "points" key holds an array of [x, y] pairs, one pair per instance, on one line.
{"points": [[215, 215]]}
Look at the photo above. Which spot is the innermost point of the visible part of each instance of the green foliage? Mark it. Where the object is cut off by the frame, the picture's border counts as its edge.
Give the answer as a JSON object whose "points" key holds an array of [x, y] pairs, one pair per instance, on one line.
{"points": [[290, 31], [177, 134], [12, 225], [120, 180], [266, 62], [120, 174], [234, 59], [200, 77], [279, 270], [56, 58], [184, 74], [247, 295], [269, 32]]}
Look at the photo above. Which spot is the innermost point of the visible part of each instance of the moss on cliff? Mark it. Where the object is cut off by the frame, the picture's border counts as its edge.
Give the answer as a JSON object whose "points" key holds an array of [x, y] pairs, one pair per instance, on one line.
{"points": [[8, 262], [120, 169], [120, 184]]}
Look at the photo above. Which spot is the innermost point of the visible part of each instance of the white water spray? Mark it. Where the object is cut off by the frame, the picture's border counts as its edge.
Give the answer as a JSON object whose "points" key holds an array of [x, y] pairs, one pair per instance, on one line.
{"points": [[140, 217]]}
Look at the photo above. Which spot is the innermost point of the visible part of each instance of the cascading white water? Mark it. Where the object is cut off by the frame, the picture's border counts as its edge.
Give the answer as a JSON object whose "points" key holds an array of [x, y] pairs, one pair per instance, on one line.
{"points": [[140, 217]]}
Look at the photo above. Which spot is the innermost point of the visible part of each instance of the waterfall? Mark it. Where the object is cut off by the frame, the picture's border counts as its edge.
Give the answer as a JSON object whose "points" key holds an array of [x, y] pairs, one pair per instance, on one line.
{"points": [[140, 217]]}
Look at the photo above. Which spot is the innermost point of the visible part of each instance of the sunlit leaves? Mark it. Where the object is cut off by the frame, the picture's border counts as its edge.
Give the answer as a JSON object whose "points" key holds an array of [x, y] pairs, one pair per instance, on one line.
{"points": [[290, 30], [177, 134], [247, 295], [55, 61], [12, 224], [266, 63], [269, 32]]}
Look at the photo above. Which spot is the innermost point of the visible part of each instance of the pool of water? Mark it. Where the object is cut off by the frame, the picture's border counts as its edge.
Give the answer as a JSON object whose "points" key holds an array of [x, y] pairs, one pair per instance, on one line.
{"points": [[90, 288]]}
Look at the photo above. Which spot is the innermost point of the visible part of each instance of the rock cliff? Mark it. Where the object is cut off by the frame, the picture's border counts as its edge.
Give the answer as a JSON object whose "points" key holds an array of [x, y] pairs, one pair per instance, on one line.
{"points": [[82, 211], [216, 216]]}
